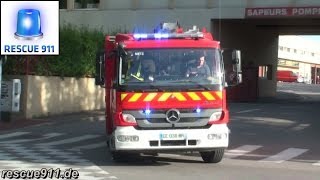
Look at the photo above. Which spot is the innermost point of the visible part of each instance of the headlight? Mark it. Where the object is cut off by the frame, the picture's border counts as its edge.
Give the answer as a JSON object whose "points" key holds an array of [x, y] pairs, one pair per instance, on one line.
{"points": [[215, 116], [129, 118]]}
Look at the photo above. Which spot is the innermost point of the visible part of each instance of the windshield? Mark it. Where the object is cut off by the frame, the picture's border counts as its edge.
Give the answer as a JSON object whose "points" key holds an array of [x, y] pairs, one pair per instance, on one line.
{"points": [[170, 67]]}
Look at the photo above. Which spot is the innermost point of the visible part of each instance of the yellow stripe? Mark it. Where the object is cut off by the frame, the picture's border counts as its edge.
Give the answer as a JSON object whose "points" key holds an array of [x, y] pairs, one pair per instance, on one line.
{"points": [[135, 97], [194, 96], [179, 96], [219, 93], [123, 96], [150, 97], [164, 96], [208, 95]]}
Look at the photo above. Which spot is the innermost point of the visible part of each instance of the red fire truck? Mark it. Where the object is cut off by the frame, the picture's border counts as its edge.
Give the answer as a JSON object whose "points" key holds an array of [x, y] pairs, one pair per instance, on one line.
{"points": [[165, 91]]}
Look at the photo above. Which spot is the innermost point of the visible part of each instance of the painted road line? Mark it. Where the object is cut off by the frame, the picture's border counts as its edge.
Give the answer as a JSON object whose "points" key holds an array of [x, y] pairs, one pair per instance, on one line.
{"points": [[46, 136], [316, 164], [90, 146], [70, 140], [3, 136], [300, 127], [284, 155], [246, 111], [242, 150]]}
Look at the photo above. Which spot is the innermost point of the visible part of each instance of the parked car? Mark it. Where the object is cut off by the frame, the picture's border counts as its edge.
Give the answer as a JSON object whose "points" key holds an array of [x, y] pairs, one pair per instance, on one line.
{"points": [[286, 76]]}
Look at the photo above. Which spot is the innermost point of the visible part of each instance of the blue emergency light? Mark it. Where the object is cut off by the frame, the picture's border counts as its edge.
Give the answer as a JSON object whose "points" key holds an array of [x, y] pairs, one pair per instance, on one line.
{"points": [[147, 111], [168, 35], [140, 36], [28, 25]]}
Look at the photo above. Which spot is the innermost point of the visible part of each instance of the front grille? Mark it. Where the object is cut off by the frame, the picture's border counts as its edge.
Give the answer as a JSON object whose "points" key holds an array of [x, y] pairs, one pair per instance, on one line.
{"points": [[192, 142], [173, 143], [182, 120], [189, 118], [154, 143], [172, 127], [163, 111]]}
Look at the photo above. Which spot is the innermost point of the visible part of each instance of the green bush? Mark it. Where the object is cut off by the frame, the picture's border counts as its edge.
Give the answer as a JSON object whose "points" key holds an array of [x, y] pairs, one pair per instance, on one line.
{"points": [[78, 47]]}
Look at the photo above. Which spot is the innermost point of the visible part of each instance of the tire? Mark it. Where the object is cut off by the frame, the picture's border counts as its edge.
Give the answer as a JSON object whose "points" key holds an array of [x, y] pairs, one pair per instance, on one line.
{"points": [[214, 156]]}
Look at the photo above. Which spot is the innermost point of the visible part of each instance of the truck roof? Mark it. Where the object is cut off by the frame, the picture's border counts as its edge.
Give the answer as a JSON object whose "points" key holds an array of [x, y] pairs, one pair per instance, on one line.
{"points": [[130, 42]]}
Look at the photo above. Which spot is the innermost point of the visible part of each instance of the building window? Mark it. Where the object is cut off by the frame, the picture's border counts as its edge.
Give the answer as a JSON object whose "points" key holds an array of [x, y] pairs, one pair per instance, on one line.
{"points": [[288, 49], [63, 4], [265, 72], [86, 4], [294, 64], [295, 51], [312, 54], [281, 48]]}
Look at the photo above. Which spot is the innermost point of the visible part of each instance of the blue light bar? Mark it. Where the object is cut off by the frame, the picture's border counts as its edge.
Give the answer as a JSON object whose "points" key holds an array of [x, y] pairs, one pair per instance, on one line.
{"points": [[166, 36], [140, 36], [198, 110], [159, 36]]}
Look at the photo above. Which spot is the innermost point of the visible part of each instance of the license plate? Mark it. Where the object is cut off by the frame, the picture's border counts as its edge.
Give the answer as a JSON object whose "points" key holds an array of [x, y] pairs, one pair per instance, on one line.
{"points": [[172, 136]]}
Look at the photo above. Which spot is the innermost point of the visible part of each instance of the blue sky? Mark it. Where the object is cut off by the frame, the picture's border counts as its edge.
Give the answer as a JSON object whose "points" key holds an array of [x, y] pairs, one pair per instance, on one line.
{"points": [[312, 37]]}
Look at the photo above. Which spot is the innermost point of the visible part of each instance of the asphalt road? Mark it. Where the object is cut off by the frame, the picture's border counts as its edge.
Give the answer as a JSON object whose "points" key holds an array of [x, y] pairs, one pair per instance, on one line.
{"points": [[268, 141]]}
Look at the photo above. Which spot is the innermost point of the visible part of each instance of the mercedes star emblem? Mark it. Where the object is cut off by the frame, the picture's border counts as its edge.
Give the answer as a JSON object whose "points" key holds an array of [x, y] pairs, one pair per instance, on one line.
{"points": [[173, 115]]}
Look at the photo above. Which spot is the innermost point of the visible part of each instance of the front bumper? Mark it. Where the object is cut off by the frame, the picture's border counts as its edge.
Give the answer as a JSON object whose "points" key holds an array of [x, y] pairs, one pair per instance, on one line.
{"points": [[131, 139]]}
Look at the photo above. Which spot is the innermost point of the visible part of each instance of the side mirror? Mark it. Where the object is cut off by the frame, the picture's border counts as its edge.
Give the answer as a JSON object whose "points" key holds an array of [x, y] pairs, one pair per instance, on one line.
{"points": [[232, 65], [236, 59], [100, 68]]}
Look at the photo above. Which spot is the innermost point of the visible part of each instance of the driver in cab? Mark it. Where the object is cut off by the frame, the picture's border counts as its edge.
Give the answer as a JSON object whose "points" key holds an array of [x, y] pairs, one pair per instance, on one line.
{"points": [[201, 70]]}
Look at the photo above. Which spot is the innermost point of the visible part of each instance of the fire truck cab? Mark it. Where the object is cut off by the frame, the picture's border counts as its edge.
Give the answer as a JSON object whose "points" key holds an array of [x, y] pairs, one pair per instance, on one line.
{"points": [[165, 91]]}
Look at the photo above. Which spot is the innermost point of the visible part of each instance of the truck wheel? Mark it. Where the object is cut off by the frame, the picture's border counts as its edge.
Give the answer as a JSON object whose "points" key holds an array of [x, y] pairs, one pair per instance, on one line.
{"points": [[214, 156]]}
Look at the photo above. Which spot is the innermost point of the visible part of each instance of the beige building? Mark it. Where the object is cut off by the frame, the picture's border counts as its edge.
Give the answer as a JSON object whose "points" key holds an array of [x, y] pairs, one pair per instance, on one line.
{"points": [[301, 56]]}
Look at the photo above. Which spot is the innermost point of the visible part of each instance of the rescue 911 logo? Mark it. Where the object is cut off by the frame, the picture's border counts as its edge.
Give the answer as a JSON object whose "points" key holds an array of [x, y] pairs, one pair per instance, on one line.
{"points": [[29, 27]]}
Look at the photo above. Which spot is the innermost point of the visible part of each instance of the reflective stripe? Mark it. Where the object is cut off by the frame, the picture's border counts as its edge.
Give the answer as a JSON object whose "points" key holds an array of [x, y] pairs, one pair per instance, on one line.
{"points": [[150, 97], [194, 96], [137, 77], [164, 96], [208, 96], [219, 93], [179, 96], [138, 74], [139, 69], [135, 97], [123, 96]]}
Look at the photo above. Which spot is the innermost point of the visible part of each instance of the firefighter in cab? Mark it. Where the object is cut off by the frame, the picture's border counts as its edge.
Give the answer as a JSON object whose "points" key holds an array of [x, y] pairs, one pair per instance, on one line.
{"points": [[142, 68]]}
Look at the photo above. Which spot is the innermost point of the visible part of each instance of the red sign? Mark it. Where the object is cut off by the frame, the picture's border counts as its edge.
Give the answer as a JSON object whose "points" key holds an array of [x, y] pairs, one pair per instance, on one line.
{"points": [[283, 12]]}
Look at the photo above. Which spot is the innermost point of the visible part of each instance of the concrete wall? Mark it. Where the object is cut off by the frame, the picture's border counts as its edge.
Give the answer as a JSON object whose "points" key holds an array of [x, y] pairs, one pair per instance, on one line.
{"points": [[145, 20], [267, 54], [258, 47], [43, 96]]}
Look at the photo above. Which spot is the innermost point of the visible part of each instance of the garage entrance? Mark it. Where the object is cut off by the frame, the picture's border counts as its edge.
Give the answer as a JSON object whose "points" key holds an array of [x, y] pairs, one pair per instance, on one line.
{"points": [[258, 40]]}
